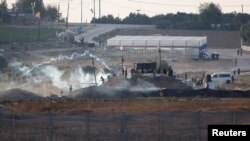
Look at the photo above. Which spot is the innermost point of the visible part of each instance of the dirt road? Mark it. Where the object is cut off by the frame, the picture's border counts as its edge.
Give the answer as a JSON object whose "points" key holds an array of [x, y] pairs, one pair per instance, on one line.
{"points": [[99, 29]]}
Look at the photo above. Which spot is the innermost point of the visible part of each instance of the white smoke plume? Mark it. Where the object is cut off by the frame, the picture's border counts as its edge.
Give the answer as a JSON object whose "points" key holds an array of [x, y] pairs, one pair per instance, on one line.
{"points": [[47, 73], [26, 70]]}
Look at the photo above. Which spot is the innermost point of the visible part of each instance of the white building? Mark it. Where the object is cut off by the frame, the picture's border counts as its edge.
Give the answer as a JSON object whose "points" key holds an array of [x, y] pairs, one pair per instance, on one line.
{"points": [[191, 45]]}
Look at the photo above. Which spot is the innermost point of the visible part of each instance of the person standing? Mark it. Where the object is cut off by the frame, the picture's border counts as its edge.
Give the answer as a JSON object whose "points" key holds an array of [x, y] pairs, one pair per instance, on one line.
{"points": [[70, 89], [232, 79], [238, 71], [235, 62], [238, 52], [123, 72], [203, 74], [126, 73], [185, 76], [132, 71], [102, 79]]}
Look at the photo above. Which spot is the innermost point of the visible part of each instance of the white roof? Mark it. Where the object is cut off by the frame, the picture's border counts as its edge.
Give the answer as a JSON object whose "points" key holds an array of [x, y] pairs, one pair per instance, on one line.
{"points": [[222, 73], [157, 41]]}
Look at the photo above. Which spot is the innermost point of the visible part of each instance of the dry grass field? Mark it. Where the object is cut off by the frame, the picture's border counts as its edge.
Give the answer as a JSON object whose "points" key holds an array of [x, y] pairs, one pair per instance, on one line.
{"points": [[195, 104]]}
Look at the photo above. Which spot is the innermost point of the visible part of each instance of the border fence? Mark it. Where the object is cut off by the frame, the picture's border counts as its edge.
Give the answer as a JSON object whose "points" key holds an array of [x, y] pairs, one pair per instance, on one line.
{"points": [[147, 53], [91, 126]]}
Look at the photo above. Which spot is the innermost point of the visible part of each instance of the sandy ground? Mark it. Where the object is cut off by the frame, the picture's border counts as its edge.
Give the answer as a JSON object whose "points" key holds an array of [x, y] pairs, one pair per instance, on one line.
{"points": [[182, 65], [138, 105]]}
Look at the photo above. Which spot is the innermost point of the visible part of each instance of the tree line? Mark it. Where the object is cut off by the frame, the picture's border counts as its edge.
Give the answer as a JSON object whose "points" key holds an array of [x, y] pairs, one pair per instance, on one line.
{"points": [[25, 7], [210, 17], [245, 33]]}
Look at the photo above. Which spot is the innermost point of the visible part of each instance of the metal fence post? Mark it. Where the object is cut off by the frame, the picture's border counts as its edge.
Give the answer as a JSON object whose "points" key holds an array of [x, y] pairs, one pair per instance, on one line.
{"points": [[50, 118], [87, 126], [13, 127], [160, 134], [197, 119], [234, 118], [123, 127]]}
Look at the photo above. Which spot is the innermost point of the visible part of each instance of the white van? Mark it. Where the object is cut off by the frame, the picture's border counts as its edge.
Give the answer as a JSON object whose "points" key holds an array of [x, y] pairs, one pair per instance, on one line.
{"points": [[222, 77]]}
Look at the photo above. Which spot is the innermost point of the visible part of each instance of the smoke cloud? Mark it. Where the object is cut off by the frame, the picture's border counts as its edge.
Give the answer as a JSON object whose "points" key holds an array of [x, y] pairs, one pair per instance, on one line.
{"points": [[45, 73]]}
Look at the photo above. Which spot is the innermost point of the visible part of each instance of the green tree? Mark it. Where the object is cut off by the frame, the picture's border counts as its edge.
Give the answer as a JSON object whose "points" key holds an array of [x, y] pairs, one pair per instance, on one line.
{"points": [[24, 6], [210, 13], [52, 13], [4, 16], [245, 33], [107, 19], [137, 19], [176, 21]]}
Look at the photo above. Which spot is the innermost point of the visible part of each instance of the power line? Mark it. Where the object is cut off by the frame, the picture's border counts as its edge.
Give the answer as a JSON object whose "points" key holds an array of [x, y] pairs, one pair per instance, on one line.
{"points": [[229, 6], [99, 8], [165, 4], [81, 13], [94, 11], [179, 5], [111, 3], [59, 2], [75, 7]]}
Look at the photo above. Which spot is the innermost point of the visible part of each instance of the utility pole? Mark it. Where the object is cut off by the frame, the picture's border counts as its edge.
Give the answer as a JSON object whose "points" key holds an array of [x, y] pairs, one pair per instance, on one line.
{"points": [[93, 64], [2, 12], [38, 25], [58, 12], [242, 8], [138, 11], [94, 11], [122, 61], [67, 21], [81, 14], [159, 57], [100, 9], [38, 30]]}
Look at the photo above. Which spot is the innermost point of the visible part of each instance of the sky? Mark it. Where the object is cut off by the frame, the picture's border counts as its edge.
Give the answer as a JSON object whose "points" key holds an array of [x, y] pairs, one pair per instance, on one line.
{"points": [[122, 8]]}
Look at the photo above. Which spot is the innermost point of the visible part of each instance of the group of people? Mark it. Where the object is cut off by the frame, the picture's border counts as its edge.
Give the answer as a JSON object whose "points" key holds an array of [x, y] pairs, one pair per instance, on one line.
{"points": [[125, 73], [70, 90], [239, 52], [234, 73], [238, 71], [168, 71], [197, 81]]}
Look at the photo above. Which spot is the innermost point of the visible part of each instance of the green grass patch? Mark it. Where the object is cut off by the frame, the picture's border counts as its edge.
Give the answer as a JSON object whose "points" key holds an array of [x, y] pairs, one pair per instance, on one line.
{"points": [[25, 34]]}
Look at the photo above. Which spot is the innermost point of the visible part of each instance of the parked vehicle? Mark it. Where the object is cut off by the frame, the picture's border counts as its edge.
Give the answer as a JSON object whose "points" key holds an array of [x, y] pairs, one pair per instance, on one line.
{"points": [[215, 56], [222, 77], [210, 56], [195, 54], [207, 56]]}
